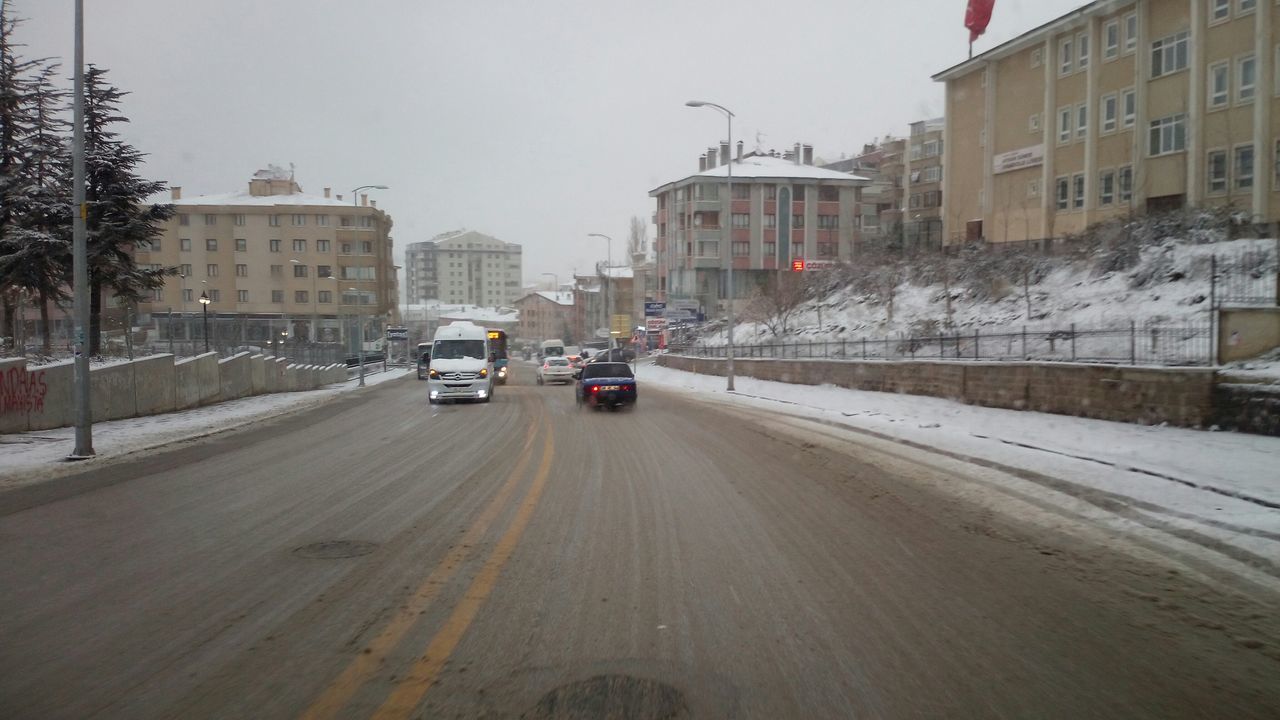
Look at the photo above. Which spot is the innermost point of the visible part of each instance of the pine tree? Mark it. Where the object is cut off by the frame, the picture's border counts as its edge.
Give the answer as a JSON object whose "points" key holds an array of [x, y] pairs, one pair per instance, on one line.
{"points": [[119, 217], [35, 250], [15, 126]]}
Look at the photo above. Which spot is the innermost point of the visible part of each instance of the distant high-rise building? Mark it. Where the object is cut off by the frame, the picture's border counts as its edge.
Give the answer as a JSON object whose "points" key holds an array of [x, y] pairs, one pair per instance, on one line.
{"points": [[464, 267]]}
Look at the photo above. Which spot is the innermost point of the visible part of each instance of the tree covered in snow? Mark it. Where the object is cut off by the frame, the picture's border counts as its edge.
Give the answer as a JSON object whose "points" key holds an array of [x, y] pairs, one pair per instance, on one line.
{"points": [[119, 216], [15, 126]]}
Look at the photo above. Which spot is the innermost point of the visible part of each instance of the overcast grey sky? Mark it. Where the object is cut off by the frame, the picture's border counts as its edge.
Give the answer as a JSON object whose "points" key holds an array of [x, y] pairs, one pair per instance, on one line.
{"points": [[535, 122]]}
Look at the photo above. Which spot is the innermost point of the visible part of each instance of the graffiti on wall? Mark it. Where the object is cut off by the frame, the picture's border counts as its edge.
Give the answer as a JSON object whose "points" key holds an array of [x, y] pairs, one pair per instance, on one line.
{"points": [[22, 391]]}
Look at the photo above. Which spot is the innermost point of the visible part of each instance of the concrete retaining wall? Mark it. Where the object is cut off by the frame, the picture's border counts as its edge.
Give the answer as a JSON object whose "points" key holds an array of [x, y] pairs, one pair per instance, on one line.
{"points": [[57, 408], [155, 384], [258, 374], [111, 392], [1247, 332], [235, 377], [1178, 396]]}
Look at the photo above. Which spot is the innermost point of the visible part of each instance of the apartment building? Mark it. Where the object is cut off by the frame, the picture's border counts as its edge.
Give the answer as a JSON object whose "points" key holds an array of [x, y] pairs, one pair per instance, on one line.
{"points": [[1119, 106], [547, 315], [922, 186], [273, 259], [880, 208], [464, 267], [783, 208]]}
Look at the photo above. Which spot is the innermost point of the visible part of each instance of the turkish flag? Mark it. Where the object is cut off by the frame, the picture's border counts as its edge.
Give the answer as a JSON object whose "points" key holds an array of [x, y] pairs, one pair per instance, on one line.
{"points": [[976, 17]]}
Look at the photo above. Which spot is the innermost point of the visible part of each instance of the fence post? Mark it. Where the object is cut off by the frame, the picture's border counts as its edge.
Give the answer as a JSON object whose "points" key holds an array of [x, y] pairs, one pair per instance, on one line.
{"points": [[1213, 306], [864, 347], [1073, 342], [976, 355], [1133, 342], [842, 348]]}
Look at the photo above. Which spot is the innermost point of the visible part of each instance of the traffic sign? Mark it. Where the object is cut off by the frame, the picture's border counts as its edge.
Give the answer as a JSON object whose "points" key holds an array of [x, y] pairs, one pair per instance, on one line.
{"points": [[655, 325], [654, 309], [397, 333]]}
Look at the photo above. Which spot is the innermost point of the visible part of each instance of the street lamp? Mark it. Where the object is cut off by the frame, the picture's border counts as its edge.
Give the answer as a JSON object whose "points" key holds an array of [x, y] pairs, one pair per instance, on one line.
{"points": [[359, 333], [204, 302], [726, 232], [355, 203], [608, 319]]}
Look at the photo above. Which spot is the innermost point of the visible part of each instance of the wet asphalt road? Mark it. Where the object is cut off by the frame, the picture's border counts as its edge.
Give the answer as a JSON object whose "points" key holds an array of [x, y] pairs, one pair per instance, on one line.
{"points": [[381, 557]]}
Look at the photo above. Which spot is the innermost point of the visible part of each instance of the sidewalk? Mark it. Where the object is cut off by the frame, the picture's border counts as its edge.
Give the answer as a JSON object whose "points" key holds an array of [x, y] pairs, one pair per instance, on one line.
{"points": [[32, 456]]}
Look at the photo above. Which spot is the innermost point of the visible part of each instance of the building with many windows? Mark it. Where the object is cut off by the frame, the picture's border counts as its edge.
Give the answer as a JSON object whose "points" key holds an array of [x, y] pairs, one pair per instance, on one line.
{"points": [[783, 208], [922, 186], [1119, 106], [464, 267], [273, 260]]}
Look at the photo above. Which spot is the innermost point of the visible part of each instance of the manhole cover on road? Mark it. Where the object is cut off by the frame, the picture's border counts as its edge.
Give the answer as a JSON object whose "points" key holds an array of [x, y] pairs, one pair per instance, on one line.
{"points": [[616, 697], [334, 549]]}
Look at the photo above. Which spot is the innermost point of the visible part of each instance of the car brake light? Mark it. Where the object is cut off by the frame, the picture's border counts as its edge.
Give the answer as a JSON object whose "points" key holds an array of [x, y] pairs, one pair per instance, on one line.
{"points": [[595, 388]]}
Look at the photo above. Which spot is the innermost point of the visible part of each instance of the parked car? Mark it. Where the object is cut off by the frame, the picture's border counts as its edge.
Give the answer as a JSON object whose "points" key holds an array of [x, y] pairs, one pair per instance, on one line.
{"points": [[554, 369], [623, 355], [605, 384]]}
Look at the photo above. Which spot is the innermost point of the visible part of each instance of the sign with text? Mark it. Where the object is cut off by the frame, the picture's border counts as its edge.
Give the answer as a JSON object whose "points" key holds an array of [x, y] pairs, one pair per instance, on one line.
{"points": [[655, 325], [621, 325], [654, 309], [1018, 159], [397, 333]]}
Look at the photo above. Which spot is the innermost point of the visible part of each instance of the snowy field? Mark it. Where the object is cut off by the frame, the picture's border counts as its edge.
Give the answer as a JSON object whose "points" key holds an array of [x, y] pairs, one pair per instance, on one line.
{"points": [[1218, 485], [33, 456]]}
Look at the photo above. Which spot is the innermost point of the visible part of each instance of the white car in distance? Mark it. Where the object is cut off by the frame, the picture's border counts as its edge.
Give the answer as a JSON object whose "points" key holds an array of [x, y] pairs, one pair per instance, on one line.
{"points": [[556, 368]]}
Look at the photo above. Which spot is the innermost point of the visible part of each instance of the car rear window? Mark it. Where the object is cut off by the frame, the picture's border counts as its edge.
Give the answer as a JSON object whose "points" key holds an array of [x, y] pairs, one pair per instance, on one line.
{"points": [[558, 361], [597, 370]]}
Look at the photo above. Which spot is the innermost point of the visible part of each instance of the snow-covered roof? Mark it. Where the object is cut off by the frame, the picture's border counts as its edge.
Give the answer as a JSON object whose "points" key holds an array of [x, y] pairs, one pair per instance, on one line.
{"points": [[244, 198], [766, 166], [621, 273], [560, 298], [418, 312]]}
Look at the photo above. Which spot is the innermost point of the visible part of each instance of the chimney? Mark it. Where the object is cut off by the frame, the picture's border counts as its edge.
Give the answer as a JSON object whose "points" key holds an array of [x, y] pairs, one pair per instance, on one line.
{"points": [[711, 158], [808, 154], [795, 155], [739, 151], [724, 153], [175, 192], [702, 162], [364, 199], [373, 204], [326, 193]]}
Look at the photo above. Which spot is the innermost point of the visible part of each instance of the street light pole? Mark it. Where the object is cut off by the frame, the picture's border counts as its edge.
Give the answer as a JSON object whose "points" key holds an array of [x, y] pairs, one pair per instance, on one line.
{"points": [[355, 295], [80, 254], [204, 302], [728, 114], [608, 285], [355, 203]]}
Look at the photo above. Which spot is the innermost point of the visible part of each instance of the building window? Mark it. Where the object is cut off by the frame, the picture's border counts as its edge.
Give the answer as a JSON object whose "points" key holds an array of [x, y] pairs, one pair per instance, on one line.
{"points": [[211, 245], [211, 270], [1033, 123], [345, 249], [1111, 40], [708, 248], [157, 295], [273, 220], [1246, 79], [210, 219], [298, 219], [300, 296], [277, 296], [1217, 171], [322, 220], [1125, 177], [741, 192], [1107, 187], [1108, 119], [831, 193], [184, 220], [931, 149], [771, 250], [1064, 125], [322, 246], [1082, 120], [184, 244], [366, 221], [238, 219], [1168, 135], [1243, 166], [1077, 184], [366, 247], [242, 270], [325, 297], [932, 174], [277, 271], [1063, 193], [797, 221], [1130, 32], [299, 271], [1246, 6], [1082, 51], [1035, 58], [274, 245], [828, 222], [1129, 106], [1064, 57], [299, 245], [741, 248], [1169, 54], [242, 296], [215, 295], [184, 270], [188, 295], [741, 220], [1219, 11], [770, 220], [1219, 84], [242, 245], [324, 271]]}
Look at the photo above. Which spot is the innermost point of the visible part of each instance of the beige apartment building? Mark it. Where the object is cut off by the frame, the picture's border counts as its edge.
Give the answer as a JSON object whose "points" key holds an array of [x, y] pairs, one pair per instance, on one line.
{"points": [[922, 186], [464, 267], [274, 262], [1119, 106]]}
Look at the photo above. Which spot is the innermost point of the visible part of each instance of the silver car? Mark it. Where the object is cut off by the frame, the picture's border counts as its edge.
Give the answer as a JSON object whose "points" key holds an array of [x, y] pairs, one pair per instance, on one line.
{"points": [[555, 369]]}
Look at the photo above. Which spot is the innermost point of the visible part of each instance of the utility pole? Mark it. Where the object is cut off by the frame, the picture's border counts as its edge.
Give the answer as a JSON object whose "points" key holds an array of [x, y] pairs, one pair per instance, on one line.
{"points": [[80, 255]]}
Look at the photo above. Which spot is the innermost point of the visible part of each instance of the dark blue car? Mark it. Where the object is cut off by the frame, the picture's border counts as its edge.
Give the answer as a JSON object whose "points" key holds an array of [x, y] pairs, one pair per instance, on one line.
{"points": [[605, 384]]}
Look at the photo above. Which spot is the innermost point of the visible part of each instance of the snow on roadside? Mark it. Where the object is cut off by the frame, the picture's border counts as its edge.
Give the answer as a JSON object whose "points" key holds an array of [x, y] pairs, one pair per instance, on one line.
{"points": [[1214, 480], [33, 456]]}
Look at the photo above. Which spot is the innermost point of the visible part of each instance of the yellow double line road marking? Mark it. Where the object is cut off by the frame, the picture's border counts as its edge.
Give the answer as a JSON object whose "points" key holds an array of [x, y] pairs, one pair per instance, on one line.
{"points": [[409, 691]]}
